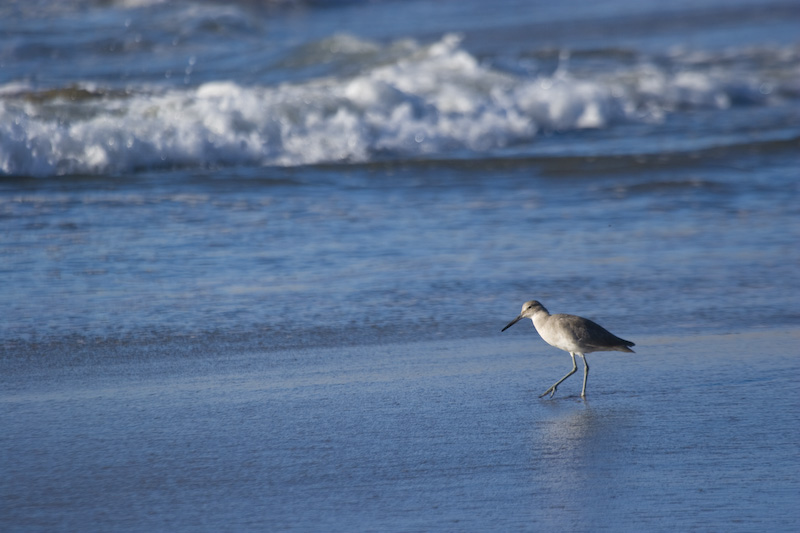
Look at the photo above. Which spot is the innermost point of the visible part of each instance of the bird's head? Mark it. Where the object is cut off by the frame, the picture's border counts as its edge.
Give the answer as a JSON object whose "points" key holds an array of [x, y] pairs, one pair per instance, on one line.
{"points": [[529, 309]]}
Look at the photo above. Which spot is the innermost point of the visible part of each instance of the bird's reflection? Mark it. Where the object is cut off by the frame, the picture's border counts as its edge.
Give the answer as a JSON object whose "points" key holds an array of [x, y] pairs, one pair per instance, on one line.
{"points": [[577, 458]]}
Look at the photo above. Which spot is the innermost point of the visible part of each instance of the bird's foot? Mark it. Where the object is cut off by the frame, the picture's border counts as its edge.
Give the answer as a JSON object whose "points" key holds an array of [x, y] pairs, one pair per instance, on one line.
{"points": [[551, 390]]}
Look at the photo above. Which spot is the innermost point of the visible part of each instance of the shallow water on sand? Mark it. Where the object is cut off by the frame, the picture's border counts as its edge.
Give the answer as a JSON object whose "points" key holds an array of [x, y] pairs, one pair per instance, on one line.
{"points": [[391, 254], [692, 433]]}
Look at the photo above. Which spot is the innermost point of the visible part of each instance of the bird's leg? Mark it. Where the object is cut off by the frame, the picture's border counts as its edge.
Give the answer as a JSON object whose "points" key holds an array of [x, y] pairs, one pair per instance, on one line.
{"points": [[585, 374], [552, 390]]}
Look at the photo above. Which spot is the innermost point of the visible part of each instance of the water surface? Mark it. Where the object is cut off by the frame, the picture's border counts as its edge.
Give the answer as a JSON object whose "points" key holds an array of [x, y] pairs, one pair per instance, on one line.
{"points": [[256, 257]]}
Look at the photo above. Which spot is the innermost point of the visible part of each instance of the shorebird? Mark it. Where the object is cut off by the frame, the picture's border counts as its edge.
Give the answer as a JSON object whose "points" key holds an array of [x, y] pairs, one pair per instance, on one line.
{"points": [[573, 334]]}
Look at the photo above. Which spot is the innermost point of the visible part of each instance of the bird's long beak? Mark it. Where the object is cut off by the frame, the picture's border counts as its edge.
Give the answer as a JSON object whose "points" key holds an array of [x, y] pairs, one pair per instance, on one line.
{"points": [[511, 323]]}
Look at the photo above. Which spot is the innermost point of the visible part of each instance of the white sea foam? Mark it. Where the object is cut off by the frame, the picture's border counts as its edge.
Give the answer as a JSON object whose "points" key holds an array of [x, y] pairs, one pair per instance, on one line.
{"points": [[428, 99]]}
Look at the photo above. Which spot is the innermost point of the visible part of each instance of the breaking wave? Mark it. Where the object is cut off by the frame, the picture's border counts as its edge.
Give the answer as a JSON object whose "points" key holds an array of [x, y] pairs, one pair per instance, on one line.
{"points": [[400, 100]]}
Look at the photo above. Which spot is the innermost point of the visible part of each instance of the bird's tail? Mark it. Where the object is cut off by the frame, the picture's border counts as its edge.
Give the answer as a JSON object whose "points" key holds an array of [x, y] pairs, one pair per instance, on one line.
{"points": [[625, 346]]}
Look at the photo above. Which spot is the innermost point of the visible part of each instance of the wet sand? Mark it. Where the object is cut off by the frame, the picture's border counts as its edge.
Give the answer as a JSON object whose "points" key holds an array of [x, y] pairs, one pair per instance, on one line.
{"points": [[697, 433]]}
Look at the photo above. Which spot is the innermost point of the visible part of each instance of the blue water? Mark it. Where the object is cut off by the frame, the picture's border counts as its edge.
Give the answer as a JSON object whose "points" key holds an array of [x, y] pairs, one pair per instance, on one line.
{"points": [[191, 183]]}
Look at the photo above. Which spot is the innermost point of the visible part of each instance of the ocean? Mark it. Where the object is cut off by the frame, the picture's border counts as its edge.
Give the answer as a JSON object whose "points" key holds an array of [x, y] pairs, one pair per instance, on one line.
{"points": [[256, 257]]}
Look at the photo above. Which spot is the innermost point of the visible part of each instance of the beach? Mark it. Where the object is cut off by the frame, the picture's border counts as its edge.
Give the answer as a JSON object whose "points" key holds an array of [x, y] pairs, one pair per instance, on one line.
{"points": [[257, 256], [693, 433]]}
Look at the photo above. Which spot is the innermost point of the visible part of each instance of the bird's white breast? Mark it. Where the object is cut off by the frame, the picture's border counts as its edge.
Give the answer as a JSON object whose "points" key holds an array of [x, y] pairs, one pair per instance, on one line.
{"points": [[548, 330]]}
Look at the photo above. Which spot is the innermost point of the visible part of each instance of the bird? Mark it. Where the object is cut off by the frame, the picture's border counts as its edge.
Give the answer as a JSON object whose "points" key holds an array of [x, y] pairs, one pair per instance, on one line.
{"points": [[573, 334]]}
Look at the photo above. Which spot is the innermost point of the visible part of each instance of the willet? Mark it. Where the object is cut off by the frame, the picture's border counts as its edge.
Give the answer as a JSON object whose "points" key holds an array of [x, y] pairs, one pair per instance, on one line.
{"points": [[573, 334]]}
